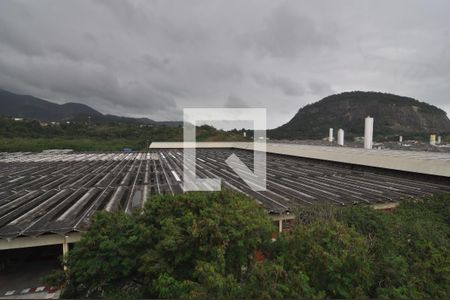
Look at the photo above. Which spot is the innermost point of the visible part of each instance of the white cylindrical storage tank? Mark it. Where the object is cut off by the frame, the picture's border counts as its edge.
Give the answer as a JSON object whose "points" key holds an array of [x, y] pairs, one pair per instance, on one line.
{"points": [[433, 139], [330, 135], [439, 139], [400, 139], [368, 133], [340, 137]]}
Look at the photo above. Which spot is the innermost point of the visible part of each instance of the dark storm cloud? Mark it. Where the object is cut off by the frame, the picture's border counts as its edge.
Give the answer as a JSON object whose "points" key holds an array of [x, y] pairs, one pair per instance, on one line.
{"points": [[286, 85], [287, 33], [235, 101], [154, 63], [153, 58], [318, 87]]}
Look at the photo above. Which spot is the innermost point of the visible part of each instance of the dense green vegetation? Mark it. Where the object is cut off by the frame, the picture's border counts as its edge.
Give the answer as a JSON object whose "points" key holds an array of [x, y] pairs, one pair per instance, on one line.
{"points": [[77, 144], [31, 135], [210, 245], [394, 115]]}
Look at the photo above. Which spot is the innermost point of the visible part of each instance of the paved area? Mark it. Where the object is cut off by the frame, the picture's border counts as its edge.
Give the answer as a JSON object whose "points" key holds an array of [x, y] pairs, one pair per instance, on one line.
{"points": [[22, 272], [32, 293]]}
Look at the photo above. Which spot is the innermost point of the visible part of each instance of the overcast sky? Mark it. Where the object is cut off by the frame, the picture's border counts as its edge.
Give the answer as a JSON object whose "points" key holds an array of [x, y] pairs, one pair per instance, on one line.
{"points": [[153, 58]]}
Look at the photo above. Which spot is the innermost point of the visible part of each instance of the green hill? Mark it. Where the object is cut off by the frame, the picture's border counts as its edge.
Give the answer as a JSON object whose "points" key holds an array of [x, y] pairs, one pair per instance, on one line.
{"points": [[394, 115], [30, 107]]}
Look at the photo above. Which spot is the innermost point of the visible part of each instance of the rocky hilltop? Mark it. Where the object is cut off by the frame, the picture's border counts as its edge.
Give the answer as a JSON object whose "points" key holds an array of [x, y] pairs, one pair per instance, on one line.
{"points": [[394, 115]]}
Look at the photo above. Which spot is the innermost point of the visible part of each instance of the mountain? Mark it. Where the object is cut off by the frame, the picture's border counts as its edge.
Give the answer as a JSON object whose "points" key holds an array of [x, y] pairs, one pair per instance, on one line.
{"points": [[29, 107], [394, 115], [22, 106]]}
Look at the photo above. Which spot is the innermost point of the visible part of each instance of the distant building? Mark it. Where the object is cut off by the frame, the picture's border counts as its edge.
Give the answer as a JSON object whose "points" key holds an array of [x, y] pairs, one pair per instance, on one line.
{"points": [[18, 119], [433, 139]]}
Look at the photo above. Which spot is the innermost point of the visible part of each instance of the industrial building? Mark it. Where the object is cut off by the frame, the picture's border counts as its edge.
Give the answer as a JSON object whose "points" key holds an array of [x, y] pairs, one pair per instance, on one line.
{"points": [[48, 198]]}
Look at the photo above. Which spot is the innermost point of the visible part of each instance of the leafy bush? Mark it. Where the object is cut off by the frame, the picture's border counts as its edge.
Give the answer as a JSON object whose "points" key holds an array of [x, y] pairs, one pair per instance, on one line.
{"points": [[409, 247], [204, 245], [195, 244], [334, 257], [205, 238]]}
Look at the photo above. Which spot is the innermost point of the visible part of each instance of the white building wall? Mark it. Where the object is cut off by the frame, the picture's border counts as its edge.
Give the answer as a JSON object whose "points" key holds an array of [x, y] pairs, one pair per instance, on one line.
{"points": [[340, 137], [368, 133]]}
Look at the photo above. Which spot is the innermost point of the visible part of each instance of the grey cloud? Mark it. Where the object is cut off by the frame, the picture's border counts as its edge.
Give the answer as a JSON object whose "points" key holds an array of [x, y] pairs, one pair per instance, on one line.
{"points": [[152, 58], [287, 33], [85, 82], [320, 87], [19, 39], [288, 86], [153, 62], [235, 101]]}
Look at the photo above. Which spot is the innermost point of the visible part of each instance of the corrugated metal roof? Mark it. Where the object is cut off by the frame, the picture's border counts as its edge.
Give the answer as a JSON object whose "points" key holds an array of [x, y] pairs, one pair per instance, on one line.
{"points": [[422, 162], [58, 192]]}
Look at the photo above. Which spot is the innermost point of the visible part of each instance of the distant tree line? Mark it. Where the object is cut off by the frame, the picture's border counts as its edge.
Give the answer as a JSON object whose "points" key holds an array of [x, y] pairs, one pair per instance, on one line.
{"points": [[221, 245], [32, 135]]}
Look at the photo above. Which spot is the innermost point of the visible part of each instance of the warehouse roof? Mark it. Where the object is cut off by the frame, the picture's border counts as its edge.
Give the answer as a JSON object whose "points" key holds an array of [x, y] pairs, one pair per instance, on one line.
{"points": [[58, 193], [430, 163]]}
